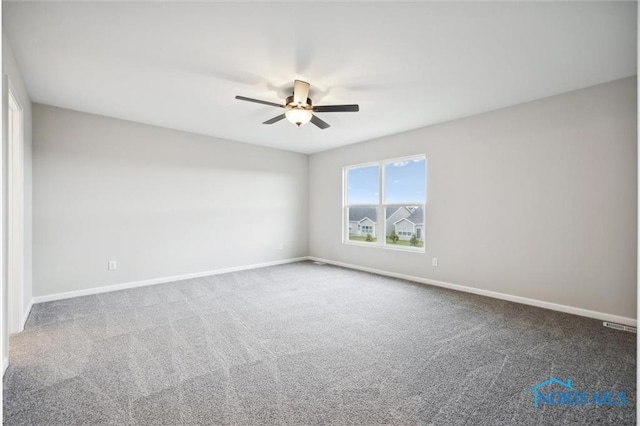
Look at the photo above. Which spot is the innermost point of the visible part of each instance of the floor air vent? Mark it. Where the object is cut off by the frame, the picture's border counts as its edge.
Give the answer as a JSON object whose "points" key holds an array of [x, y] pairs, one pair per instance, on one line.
{"points": [[620, 327]]}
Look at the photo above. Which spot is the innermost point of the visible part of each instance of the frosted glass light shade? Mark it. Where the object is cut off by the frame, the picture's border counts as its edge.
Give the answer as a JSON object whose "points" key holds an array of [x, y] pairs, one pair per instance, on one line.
{"points": [[298, 116]]}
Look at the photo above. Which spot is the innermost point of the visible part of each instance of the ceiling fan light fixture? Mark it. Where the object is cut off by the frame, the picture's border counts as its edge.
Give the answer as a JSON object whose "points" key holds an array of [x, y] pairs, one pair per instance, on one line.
{"points": [[298, 116], [299, 109]]}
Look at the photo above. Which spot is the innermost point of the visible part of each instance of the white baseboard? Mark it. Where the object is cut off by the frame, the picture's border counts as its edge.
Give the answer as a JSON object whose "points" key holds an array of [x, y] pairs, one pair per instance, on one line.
{"points": [[125, 286], [496, 295], [26, 313], [5, 364]]}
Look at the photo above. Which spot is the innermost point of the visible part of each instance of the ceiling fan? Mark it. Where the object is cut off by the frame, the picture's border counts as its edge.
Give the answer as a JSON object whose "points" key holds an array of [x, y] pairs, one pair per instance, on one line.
{"points": [[300, 109]]}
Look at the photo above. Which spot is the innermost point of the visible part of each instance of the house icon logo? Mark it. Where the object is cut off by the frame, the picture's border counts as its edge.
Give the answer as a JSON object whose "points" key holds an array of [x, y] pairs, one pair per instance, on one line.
{"points": [[569, 395], [537, 393]]}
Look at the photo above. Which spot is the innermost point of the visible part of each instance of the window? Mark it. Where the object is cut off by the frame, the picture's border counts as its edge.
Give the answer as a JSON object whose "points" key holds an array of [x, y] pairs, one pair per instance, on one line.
{"points": [[405, 232], [384, 203]]}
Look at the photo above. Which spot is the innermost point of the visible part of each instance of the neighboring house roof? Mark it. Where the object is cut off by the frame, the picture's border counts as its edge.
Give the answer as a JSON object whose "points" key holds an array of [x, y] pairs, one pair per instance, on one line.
{"points": [[390, 211], [356, 214], [416, 212], [405, 219], [417, 216]]}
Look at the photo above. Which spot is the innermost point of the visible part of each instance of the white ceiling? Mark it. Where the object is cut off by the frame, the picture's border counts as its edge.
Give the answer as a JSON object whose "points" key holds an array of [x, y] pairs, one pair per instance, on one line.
{"points": [[408, 65]]}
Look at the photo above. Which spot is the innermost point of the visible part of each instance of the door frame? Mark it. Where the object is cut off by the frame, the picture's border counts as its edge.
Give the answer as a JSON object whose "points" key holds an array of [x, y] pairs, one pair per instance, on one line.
{"points": [[15, 211]]}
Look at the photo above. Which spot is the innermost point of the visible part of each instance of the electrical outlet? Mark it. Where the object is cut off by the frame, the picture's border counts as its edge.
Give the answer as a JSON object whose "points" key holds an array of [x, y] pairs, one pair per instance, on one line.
{"points": [[434, 261], [281, 246], [113, 264]]}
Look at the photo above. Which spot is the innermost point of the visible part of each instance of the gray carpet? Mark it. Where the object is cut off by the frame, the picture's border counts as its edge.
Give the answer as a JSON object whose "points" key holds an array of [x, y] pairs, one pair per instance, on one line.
{"points": [[306, 344]]}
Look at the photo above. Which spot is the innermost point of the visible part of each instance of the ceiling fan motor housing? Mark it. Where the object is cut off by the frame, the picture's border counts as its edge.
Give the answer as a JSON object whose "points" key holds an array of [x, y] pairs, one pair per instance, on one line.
{"points": [[289, 102]]}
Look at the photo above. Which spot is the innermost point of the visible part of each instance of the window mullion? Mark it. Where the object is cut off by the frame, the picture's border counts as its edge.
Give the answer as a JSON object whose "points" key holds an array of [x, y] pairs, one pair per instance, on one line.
{"points": [[345, 209]]}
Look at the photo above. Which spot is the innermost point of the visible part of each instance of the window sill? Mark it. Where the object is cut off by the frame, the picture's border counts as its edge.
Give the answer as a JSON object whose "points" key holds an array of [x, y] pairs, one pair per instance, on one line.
{"points": [[385, 246]]}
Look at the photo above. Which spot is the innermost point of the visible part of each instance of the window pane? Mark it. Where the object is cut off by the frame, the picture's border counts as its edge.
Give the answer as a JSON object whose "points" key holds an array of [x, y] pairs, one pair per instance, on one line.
{"points": [[405, 182], [404, 225], [363, 185], [362, 224]]}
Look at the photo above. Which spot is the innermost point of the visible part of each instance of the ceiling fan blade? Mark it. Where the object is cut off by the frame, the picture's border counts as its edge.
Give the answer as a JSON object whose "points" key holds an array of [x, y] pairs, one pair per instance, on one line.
{"points": [[336, 108], [320, 123], [300, 92], [258, 101], [275, 119]]}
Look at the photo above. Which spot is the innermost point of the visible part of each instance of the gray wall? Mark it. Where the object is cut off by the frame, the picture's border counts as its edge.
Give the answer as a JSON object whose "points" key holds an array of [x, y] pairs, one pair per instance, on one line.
{"points": [[537, 200], [10, 69], [160, 202]]}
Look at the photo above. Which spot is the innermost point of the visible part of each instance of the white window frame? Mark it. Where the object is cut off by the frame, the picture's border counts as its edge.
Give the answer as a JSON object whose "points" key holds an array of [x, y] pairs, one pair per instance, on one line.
{"points": [[380, 206]]}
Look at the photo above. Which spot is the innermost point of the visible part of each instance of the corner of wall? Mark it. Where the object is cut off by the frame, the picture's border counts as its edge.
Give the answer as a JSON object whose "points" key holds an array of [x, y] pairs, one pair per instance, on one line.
{"points": [[11, 72]]}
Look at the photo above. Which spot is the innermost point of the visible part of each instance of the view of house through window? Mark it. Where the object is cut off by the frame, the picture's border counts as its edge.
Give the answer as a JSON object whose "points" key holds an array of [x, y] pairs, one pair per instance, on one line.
{"points": [[394, 190]]}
